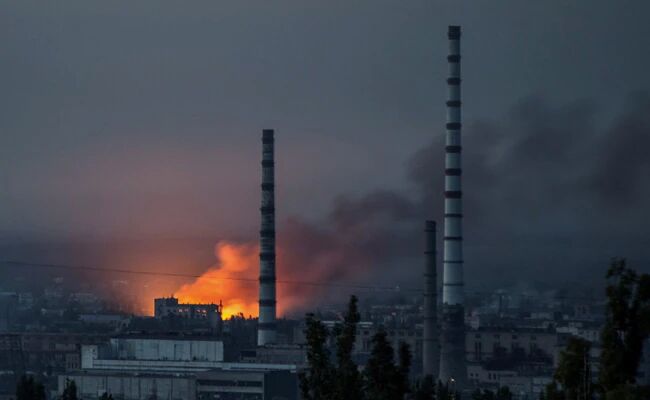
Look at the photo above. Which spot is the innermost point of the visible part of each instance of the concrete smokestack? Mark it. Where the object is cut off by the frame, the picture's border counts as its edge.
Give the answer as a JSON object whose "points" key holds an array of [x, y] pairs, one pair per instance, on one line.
{"points": [[453, 369], [430, 342], [266, 322]]}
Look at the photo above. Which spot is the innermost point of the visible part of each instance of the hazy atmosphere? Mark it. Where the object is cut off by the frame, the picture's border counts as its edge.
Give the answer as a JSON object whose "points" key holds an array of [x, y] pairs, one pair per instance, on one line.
{"points": [[129, 135], [335, 200]]}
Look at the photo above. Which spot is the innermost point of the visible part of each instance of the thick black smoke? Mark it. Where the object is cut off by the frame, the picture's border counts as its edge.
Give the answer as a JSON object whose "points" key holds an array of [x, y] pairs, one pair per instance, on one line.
{"points": [[550, 194]]}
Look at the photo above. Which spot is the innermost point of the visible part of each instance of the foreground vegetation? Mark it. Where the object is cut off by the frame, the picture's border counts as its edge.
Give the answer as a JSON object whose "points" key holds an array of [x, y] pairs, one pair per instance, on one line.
{"points": [[626, 328], [333, 375]]}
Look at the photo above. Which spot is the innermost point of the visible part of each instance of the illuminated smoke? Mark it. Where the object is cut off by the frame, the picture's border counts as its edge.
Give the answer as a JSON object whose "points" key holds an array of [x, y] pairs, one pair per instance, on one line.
{"points": [[303, 269], [220, 283]]}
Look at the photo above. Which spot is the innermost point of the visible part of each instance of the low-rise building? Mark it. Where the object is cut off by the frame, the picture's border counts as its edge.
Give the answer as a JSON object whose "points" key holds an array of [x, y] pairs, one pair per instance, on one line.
{"points": [[176, 367], [166, 307], [276, 354], [226, 384], [490, 343], [45, 352], [92, 385]]}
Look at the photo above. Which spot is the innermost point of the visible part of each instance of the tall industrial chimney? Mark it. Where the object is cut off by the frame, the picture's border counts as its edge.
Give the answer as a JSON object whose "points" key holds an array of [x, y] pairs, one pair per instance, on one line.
{"points": [[453, 369], [431, 339], [266, 322]]}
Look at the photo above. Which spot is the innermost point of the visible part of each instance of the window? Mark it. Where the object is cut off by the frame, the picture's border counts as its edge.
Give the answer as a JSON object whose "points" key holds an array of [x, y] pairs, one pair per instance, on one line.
{"points": [[223, 382]]}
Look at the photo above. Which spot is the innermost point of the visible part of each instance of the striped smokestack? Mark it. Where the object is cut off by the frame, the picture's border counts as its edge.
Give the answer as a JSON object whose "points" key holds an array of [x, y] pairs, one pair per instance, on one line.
{"points": [[452, 359], [266, 322], [431, 339]]}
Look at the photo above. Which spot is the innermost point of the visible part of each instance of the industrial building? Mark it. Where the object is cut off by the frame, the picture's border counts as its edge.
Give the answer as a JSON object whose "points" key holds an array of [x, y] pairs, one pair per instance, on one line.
{"points": [[175, 367], [130, 386], [488, 343], [225, 384], [222, 383], [170, 307]]}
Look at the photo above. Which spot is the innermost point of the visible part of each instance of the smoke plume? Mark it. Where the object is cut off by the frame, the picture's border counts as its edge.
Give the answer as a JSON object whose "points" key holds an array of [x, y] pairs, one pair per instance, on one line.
{"points": [[550, 193]]}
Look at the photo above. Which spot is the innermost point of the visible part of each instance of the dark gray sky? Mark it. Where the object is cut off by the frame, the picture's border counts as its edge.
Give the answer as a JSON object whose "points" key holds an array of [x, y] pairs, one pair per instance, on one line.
{"points": [[142, 120]]}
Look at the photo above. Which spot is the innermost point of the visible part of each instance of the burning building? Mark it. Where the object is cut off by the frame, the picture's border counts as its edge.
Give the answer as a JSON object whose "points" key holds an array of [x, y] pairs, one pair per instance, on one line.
{"points": [[170, 307]]}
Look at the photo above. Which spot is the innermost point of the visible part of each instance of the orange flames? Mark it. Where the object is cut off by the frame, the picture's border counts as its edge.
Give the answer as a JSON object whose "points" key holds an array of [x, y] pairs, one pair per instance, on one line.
{"points": [[232, 281]]}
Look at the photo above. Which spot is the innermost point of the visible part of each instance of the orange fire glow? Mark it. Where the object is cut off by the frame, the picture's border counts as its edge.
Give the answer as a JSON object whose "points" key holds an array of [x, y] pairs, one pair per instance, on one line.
{"points": [[232, 280]]}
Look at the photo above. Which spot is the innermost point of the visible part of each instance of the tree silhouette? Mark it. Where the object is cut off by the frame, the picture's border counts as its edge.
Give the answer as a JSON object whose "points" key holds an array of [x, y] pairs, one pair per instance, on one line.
{"points": [[573, 371], [383, 379], [316, 383], [70, 390], [425, 389], [29, 389], [348, 385], [627, 325], [404, 367]]}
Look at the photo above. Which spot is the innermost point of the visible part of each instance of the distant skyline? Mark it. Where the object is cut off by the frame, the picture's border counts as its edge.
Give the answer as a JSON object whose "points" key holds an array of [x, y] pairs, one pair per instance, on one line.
{"points": [[139, 123]]}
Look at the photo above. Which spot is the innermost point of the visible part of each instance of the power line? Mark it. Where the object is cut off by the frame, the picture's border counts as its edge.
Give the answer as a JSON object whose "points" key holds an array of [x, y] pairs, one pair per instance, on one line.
{"points": [[357, 286], [228, 278]]}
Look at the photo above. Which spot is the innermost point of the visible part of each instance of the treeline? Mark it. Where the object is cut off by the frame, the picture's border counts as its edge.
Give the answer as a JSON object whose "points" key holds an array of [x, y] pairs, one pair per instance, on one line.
{"points": [[332, 374], [626, 328], [30, 389]]}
